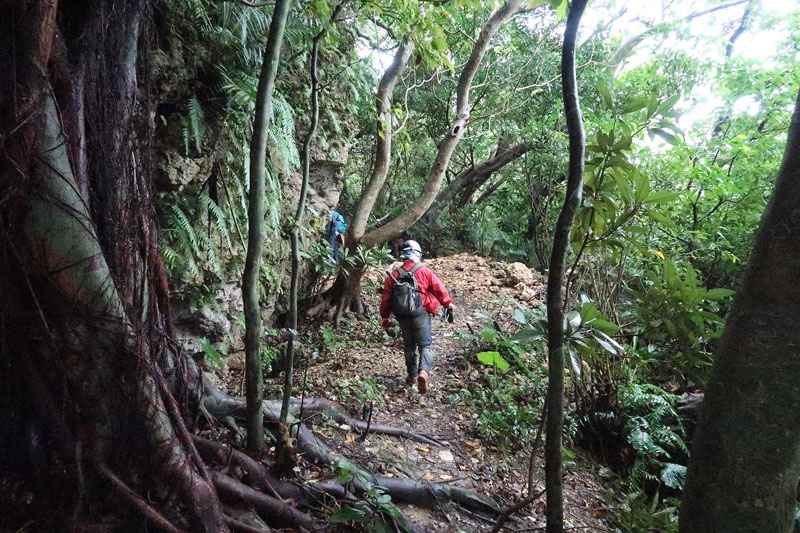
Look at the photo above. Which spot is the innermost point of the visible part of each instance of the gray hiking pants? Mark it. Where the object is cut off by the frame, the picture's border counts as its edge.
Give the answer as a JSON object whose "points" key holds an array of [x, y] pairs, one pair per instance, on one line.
{"points": [[417, 335]]}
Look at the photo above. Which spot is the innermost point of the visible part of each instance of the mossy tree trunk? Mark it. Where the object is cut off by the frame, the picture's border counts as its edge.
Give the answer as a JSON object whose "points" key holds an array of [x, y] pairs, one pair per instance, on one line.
{"points": [[86, 325], [745, 459]]}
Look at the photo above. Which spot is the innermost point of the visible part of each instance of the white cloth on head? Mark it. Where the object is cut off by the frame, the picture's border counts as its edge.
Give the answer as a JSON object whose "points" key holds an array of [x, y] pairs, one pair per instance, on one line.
{"points": [[413, 255]]}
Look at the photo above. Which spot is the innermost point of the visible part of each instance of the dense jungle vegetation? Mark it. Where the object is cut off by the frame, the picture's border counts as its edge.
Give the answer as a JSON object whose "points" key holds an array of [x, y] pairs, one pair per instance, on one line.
{"points": [[168, 303]]}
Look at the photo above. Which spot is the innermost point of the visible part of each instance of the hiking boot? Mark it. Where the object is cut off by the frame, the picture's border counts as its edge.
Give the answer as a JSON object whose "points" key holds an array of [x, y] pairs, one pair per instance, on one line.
{"points": [[422, 381], [411, 381]]}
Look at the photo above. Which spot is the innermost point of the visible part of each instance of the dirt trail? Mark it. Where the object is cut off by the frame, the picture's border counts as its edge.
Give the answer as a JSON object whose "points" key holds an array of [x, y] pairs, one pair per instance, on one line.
{"points": [[467, 461]]}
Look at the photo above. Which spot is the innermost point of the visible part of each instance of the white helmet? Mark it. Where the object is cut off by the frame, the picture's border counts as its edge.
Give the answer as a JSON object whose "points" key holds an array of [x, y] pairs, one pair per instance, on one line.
{"points": [[412, 249]]}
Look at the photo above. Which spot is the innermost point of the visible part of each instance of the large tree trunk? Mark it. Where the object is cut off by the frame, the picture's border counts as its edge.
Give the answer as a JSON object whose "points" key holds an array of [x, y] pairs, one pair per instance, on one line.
{"points": [[555, 277], [746, 456], [92, 319]]}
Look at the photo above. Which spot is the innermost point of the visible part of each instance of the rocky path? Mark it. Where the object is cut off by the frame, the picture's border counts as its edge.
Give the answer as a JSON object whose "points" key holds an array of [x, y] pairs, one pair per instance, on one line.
{"points": [[361, 355]]}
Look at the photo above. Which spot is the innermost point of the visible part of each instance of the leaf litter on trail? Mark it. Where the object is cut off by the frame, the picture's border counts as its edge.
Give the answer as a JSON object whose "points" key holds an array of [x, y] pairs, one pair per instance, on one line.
{"points": [[478, 286]]}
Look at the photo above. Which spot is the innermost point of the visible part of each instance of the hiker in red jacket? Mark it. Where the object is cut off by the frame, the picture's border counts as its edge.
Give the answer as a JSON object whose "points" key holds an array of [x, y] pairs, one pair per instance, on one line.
{"points": [[413, 294]]}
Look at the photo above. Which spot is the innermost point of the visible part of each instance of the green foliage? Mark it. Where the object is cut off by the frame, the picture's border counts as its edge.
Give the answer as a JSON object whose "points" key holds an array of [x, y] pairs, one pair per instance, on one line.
{"points": [[373, 508], [508, 405], [638, 512], [493, 359], [212, 355], [678, 321], [331, 340], [364, 391]]}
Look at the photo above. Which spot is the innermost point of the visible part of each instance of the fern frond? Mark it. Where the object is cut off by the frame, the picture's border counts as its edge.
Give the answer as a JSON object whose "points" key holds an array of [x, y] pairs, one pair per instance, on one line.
{"points": [[196, 121], [180, 220], [220, 220]]}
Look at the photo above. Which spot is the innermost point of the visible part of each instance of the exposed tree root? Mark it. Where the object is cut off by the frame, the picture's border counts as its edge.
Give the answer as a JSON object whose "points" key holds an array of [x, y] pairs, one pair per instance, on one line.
{"points": [[313, 449], [240, 527], [255, 473], [150, 514], [337, 412], [274, 510]]}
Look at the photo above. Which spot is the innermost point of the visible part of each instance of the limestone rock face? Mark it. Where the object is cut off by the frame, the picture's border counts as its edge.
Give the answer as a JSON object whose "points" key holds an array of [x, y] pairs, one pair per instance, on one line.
{"points": [[517, 273]]}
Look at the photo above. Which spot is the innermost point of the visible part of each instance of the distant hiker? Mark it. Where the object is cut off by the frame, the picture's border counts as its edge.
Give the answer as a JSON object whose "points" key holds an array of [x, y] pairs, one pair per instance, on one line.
{"points": [[413, 294], [334, 233]]}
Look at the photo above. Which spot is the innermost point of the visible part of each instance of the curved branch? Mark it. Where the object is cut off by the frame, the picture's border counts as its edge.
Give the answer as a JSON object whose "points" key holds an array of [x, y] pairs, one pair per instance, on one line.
{"points": [[383, 141], [447, 146]]}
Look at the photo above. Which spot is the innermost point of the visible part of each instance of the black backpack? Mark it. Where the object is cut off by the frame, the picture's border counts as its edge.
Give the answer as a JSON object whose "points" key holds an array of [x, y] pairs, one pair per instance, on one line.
{"points": [[406, 296]]}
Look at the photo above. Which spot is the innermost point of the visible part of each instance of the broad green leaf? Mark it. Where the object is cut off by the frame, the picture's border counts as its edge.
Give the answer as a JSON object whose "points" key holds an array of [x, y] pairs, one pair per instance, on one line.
{"points": [[658, 217], [667, 104], [575, 361], [346, 515], [519, 316], [674, 476], [636, 104], [561, 11], [718, 294], [527, 335], [439, 44], [667, 136], [574, 319], [493, 359], [661, 197], [605, 326], [641, 185], [605, 93]]}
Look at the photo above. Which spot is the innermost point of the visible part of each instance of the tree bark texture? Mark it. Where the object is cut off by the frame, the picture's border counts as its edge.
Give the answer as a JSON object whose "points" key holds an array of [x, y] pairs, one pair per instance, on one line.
{"points": [[555, 290], [745, 459], [254, 380], [93, 316]]}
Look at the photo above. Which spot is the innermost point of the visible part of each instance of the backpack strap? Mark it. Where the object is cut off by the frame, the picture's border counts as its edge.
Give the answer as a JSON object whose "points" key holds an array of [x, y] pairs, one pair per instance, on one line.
{"points": [[416, 267]]}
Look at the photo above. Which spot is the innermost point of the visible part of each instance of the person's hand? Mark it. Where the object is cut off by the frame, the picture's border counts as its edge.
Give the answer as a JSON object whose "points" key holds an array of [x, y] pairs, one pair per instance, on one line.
{"points": [[451, 307], [385, 324]]}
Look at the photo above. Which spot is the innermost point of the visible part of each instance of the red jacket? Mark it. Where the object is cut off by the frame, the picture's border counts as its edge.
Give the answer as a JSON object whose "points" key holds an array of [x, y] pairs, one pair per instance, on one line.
{"points": [[432, 289]]}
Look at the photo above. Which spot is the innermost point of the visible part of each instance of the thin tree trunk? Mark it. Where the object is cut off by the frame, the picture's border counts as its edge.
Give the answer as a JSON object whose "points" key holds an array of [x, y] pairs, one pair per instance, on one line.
{"points": [[383, 143], [555, 291], [254, 384], [298, 219], [745, 459]]}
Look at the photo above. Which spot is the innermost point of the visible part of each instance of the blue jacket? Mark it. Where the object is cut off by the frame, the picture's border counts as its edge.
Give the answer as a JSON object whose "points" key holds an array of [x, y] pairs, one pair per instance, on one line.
{"points": [[337, 224]]}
